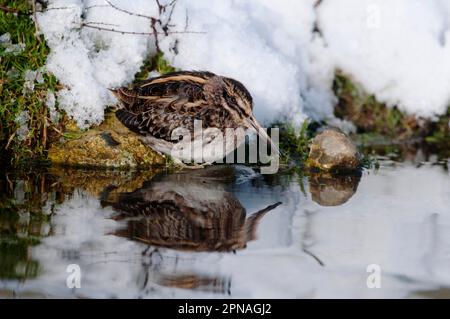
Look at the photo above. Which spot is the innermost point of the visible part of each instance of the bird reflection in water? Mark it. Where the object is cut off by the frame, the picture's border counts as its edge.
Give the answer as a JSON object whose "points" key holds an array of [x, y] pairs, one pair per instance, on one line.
{"points": [[187, 211]]}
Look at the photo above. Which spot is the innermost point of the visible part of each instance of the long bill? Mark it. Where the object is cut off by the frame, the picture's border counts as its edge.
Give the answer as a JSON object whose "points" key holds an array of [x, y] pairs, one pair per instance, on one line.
{"points": [[253, 124]]}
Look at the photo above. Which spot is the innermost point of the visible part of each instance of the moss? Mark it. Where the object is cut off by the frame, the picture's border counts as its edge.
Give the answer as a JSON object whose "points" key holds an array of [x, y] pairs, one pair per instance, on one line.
{"points": [[293, 144], [375, 118], [108, 145], [22, 145], [387, 131], [440, 137], [154, 63], [22, 222], [100, 183]]}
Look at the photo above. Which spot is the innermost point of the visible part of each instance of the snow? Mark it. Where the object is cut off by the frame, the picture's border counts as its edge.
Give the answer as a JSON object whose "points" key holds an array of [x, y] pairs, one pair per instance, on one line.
{"points": [[50, 102], [261, 43], [285, 52], [9, 47], [22, 121], [30, 77], [88, 61]]}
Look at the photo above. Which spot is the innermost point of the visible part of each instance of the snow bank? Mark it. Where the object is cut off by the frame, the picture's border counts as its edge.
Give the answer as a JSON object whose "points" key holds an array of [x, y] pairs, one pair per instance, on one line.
{"points": [[88, 61], [285, 52], [398, 50], [264, 44]]}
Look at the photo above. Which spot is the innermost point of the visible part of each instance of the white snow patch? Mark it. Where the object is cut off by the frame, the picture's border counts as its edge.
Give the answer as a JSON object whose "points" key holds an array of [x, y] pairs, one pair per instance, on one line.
{"points": [[88, 61]]}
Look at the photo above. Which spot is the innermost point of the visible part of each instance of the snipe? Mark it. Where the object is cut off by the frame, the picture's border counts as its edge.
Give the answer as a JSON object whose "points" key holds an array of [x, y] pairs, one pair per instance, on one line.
{"points": [[167, 111]]}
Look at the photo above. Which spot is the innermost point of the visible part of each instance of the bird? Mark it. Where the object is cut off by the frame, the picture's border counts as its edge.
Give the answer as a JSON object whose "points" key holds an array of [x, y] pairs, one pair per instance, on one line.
{"points": [[196, 117]]}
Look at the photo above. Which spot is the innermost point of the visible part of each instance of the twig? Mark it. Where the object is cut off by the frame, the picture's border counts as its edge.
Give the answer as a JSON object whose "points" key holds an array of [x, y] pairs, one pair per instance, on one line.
{"points": [[186, 23], [161, 8], [36, 26], [55, 8], [166, 26], [56, 130], [8, 9], [87, 25], [96, 6], [44, 129], [153, 21], [128, 12], [10, 140], [102, 23]]}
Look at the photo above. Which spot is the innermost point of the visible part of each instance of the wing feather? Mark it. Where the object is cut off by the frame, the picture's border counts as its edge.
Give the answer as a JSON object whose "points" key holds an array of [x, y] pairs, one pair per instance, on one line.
{"points": [[160, 105]]}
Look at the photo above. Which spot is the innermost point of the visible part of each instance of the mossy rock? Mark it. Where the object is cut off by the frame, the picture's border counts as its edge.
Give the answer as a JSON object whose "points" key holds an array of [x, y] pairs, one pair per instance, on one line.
{"points": [[109, 145], [332, 150]]}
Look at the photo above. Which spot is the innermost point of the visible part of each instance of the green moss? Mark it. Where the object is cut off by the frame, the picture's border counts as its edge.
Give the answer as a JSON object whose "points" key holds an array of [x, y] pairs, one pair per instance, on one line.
{"points": [[23, 222], [386, 130], [19, 145], [110, 144], [440, 136], [373, 117], [294, 144]]}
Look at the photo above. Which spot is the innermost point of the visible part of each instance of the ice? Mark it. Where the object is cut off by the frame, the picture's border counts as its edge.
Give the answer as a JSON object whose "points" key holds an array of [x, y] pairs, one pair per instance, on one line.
{"points": [[285, 52]]}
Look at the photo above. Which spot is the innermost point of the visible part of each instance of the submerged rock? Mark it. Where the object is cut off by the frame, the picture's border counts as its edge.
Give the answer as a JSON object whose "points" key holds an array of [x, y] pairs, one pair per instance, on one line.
{"points": [[98, 182], [109, 145], [333, 150], [332, 190]]}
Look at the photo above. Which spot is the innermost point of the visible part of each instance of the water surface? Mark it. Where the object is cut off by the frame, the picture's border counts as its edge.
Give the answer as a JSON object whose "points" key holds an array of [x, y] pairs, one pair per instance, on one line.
{"points": [[222, 232]]}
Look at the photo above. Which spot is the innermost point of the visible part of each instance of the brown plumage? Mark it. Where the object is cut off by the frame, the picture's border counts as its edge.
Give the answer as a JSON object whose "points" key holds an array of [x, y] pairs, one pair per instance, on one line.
{"points": [[157, 107]]}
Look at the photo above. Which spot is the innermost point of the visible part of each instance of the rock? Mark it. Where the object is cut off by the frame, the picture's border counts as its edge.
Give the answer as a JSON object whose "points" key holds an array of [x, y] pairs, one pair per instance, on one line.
{"points": [[332, 190], [332, 150], [99, 182], [109, 145]]}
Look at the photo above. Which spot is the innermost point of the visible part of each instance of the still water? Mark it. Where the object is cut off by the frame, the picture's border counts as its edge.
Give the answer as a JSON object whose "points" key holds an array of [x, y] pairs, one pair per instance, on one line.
{"points": [[227, 232]]}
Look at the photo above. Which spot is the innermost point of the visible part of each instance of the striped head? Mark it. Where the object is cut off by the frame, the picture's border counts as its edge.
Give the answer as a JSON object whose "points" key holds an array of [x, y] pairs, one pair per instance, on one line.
{"points": [[237, 97]]}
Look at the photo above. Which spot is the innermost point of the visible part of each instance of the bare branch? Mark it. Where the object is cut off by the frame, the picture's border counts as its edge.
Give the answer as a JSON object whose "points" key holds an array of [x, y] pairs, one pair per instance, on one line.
{"points": [[156, 24], [87, 25], [102, 23], [36, 26], [129, 12], [186, 23], [97, 6]]}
